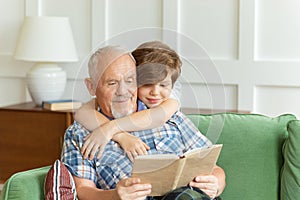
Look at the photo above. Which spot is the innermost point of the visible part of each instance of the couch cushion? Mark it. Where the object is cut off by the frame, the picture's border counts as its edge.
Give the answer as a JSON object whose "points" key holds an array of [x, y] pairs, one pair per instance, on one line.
{"points": [[251, 154], [290, 178], [25, 185], [59, 183]]}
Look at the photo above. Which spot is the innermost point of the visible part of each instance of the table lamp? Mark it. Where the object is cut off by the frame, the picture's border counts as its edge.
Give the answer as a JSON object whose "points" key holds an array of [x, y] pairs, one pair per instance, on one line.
{"points": [[46, 40]]}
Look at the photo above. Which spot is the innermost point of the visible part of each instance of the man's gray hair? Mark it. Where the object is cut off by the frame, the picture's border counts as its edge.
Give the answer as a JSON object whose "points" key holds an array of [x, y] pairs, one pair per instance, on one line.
{"points": [[102, 58]]}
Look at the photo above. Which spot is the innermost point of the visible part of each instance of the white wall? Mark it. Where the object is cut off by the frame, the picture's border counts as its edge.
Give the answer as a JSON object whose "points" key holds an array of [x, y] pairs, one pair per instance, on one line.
{"points": [[253, 47]]}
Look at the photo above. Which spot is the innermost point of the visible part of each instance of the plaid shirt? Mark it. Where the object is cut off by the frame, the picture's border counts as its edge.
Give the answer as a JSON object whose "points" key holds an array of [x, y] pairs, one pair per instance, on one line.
{"points": [[177, 136]]}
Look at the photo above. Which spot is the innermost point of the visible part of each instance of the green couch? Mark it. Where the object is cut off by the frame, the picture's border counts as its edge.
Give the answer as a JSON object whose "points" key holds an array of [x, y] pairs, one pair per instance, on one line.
{"points": [[260, 155]]}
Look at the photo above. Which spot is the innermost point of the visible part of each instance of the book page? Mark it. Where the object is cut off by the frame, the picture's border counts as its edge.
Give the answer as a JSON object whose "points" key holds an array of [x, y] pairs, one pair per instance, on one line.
{"points": [[152, 162], [162, 178], [199, 162]]}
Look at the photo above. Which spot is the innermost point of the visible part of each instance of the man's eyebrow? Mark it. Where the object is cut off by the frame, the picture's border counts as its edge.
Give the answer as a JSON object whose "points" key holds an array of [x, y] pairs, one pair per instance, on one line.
{"points": [[110, 80]]}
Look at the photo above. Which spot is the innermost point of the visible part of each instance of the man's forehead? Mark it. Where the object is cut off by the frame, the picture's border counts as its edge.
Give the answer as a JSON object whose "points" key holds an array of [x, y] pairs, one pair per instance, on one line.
{"points": [[119, 71]]}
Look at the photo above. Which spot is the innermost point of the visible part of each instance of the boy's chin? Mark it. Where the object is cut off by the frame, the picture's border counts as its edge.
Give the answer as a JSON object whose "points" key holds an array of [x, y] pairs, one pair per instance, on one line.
{"points": [[152, 105]]}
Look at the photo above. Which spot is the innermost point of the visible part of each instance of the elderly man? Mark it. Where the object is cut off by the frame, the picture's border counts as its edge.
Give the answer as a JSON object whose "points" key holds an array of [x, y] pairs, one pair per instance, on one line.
{"points": [[113, 82]]}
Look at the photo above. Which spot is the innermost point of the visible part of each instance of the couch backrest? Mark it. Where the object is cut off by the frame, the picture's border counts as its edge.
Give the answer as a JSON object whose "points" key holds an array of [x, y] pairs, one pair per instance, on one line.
{"points": [[251, 154]]}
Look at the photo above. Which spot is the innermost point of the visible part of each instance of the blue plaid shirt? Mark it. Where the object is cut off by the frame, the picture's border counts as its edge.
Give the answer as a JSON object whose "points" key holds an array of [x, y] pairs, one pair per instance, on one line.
{"points": [[177, 136]]}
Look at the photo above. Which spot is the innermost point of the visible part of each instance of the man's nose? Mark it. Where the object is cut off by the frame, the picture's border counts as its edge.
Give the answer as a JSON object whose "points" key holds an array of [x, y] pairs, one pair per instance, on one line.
{"points": [[122, 88]]}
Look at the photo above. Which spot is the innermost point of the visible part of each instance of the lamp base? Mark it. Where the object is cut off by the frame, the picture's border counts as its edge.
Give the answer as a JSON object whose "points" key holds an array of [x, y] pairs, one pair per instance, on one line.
{"points": [[45, 82]]}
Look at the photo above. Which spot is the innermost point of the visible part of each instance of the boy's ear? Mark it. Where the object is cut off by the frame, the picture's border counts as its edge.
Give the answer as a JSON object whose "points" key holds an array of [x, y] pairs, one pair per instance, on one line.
{"points": [[90, 86]]}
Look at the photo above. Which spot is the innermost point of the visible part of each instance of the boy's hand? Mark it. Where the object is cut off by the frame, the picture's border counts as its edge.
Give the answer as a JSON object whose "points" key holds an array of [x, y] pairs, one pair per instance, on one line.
{"points": [[94, 142], [132, 145]]}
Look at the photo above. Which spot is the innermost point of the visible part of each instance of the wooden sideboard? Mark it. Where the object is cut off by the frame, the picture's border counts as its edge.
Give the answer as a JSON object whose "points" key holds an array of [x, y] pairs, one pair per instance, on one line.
{"points": [[30, 137]]}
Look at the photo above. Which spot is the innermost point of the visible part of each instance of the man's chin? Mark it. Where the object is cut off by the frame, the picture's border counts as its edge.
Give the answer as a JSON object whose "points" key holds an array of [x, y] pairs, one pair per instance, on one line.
{"points": [[121, 111], [120, 114]]}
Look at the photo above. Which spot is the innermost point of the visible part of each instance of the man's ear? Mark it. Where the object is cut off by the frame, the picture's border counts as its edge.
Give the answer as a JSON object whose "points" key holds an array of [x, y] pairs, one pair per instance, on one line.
{"points": [[90, 86]]}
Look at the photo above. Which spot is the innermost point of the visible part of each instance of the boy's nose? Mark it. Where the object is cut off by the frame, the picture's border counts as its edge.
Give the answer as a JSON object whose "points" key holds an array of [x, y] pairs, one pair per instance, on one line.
{"points": [[154, 90]]}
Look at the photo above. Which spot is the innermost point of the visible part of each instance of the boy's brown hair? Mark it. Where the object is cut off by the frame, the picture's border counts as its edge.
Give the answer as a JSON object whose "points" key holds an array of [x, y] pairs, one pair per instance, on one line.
{"points": [[154, 61]]}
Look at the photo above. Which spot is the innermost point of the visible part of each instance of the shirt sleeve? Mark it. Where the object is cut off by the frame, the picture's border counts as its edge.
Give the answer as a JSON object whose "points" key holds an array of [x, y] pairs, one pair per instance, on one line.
{"points": [[72, 157]]}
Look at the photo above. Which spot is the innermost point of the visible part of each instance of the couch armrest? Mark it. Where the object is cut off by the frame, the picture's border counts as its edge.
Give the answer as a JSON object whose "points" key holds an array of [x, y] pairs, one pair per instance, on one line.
{"points": [[25, 185], [290, 177]]}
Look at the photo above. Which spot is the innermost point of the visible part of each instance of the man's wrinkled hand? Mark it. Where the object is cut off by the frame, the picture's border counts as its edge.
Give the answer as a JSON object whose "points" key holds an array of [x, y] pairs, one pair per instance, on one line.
{"points": [[208, 184], [132, 189]]}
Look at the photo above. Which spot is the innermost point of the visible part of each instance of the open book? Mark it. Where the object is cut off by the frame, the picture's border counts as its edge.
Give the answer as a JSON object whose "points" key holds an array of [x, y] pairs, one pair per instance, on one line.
{"points": [[167, 172]]}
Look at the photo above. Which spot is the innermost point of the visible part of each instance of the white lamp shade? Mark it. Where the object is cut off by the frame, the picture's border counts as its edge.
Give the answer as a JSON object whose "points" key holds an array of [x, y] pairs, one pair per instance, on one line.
{"points": [[46, 39]]}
